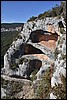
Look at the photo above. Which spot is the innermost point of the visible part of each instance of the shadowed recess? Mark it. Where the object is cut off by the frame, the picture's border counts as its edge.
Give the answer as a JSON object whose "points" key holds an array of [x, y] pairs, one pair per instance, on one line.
{"points": [[39, 35], [25, 49]]}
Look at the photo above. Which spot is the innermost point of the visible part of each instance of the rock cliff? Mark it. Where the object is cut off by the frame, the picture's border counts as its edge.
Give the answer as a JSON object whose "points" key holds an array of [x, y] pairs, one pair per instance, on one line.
{"points": [[38, 56]]}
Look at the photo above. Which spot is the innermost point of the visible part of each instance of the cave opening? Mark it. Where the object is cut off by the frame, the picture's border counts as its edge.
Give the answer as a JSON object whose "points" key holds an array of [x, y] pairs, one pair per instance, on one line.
{"points": [[39, 35], [25, 49], [29, 49], [33, 67]]}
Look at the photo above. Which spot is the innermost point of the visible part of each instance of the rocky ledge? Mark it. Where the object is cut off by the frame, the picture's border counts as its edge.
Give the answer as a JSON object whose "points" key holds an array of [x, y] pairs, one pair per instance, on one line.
{"points": [[37, 57]]}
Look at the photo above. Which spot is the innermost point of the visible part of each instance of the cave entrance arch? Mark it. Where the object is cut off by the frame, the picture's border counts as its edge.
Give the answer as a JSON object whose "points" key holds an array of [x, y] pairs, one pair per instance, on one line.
{"points": [[39, 35]]}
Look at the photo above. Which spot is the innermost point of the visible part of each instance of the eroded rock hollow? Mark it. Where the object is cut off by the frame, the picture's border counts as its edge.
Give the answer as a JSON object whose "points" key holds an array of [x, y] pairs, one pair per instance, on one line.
{"points": [[39, 35]]}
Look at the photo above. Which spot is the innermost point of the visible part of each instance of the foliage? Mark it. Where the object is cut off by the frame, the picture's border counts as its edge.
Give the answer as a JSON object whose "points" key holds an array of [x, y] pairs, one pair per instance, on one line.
{"points": [[33, 75], [4, 82], [6, 40], [32, 18], [12, 88], [61, 30], [60, 90], [21, 60], [8, 36], [13, 66], [58, 10], [63, 56], [42, 91], [56, 52], [11, 25]]}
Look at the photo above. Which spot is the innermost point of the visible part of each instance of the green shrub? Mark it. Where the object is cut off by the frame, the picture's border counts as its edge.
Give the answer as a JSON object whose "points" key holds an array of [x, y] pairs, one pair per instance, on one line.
{"points": [[61, 30], [4, 83], [60, 41], [56, 52], [13, 88], [22, 60], [42, 91], [34, 77], [32, 18], [56, 11], [13, 66], [63, 56], [60, 90]]}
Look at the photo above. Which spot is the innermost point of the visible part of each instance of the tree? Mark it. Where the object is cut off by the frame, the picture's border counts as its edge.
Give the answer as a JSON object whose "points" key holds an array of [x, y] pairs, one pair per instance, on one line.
{"points": [[32, 18]]}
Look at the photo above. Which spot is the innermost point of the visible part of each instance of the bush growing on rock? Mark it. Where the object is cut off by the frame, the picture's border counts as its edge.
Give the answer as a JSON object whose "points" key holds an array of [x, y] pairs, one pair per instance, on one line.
{"points": [[56, 52], [13, 66], [60, 90], [33, 75], [43, 89]]}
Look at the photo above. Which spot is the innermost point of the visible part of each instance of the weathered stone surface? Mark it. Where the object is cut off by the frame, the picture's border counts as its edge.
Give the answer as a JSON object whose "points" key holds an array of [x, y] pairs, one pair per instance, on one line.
{"points": [[51, 44], [41, 47], [52, 96], [3, 94]]}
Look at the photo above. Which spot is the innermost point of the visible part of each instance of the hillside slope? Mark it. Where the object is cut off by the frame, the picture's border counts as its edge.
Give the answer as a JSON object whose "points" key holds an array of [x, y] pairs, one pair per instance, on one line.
{"points": [[8, 36], [37, 55], [57, 11], [11, 25]]}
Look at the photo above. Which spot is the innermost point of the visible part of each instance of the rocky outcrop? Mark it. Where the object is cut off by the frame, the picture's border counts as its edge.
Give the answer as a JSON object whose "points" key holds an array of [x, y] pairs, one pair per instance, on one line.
{"points": [[41, 47]]}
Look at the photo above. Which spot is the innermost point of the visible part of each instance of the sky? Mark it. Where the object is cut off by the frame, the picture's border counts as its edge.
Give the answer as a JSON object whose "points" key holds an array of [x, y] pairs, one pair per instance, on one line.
{"points": [[21, 11]]}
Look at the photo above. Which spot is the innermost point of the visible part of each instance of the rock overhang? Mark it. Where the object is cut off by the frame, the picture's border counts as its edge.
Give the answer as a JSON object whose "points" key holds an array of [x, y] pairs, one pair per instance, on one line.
{"points": [[43, 40]]}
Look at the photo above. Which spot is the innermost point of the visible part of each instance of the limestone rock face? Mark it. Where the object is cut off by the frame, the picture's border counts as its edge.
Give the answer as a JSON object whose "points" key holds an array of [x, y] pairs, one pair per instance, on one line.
{"points": [[41, 50]]}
